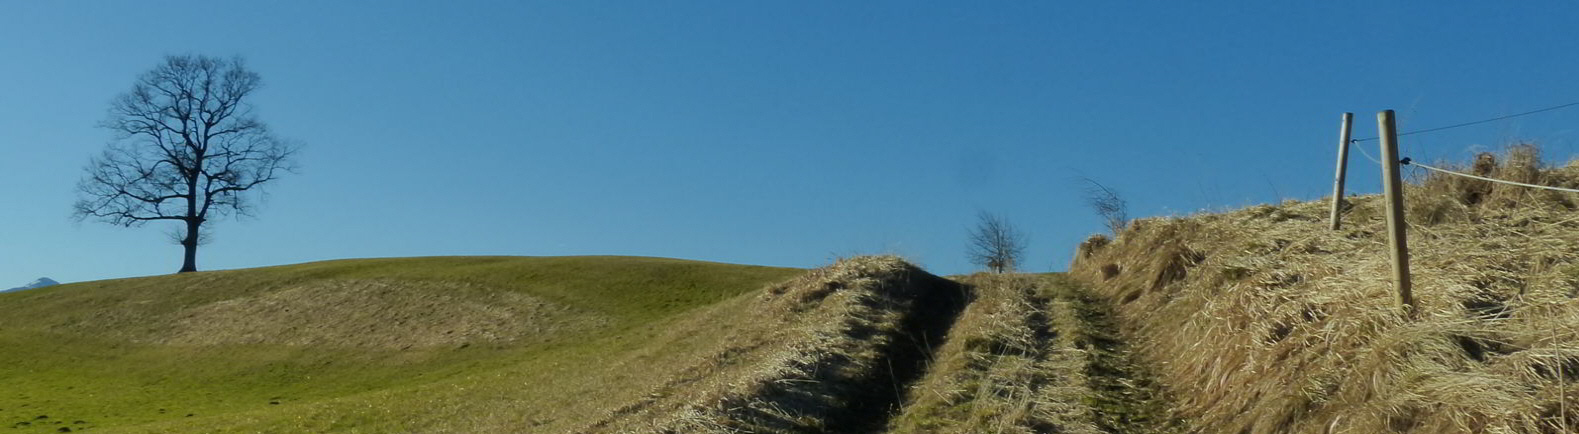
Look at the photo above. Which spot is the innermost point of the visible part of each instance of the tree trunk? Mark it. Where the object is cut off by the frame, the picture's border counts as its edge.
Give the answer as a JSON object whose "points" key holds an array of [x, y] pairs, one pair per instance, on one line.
{"points": [[189, 263]]}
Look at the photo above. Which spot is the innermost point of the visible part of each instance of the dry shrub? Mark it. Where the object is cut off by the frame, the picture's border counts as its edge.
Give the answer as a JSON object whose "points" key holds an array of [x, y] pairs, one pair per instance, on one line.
{"points": [[1262, 320]]}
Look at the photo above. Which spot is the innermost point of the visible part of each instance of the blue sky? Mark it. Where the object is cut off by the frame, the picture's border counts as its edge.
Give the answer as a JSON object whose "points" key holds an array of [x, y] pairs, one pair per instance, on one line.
{"points": [[774, 133]]}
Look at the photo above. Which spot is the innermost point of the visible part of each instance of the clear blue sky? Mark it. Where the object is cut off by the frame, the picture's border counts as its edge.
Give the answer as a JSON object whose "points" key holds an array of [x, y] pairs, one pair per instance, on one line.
{"points": [[775, 133]]}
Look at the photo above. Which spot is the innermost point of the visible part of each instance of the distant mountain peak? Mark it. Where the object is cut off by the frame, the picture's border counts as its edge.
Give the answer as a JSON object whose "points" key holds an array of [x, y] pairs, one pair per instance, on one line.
{"points": [[40, 283]]}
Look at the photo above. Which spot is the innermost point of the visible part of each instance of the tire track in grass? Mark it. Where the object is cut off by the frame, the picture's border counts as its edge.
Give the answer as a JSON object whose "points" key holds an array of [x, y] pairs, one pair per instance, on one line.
{"points": [[1032, 354], [1124, 397]]}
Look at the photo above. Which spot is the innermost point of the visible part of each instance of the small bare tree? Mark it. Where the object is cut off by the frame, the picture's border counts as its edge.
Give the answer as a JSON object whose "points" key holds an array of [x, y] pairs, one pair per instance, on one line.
{"points": [[995, 243], [1113, 210], [188, 150]]}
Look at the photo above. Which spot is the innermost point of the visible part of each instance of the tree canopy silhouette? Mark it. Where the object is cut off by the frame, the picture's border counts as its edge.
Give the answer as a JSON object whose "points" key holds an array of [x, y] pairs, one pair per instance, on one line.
{"points": [[187, 149], [995, 243]]}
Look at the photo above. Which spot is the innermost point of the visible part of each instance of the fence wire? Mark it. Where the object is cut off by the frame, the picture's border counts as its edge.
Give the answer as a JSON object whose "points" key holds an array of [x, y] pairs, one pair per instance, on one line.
{"points": [[1407, 161], [1482, 121], [1366, 154]]}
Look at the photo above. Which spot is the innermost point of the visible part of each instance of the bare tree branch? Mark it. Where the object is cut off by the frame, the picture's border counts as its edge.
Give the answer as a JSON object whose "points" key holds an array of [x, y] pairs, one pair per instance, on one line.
{"points": [[995, 244], [1107, 204], [187, 149]]}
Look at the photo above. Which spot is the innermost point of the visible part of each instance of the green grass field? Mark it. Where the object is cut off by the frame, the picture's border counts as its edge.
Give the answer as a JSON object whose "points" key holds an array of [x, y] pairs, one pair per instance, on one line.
{"points": [[428, 344]]}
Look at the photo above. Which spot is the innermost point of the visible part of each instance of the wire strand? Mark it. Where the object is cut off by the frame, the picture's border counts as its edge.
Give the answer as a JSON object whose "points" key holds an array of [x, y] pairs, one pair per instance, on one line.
{"points": [[1482, 121], [1355, 144], [1423, 166]]}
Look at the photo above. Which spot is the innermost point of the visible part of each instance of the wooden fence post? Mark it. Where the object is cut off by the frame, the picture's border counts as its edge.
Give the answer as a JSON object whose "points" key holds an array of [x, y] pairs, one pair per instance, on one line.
{"points": [[1343, 168], [1392, 188]]}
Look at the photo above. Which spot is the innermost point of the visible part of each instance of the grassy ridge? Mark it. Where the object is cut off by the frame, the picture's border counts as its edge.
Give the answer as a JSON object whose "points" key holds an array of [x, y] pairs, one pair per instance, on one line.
{"points": [[149, 353], [1263, 320], [829, 351]]}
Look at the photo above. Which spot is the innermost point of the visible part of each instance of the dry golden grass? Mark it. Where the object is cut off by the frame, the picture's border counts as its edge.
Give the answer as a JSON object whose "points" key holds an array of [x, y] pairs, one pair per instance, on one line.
{"points": [[381, 313], [1030, 354], [827, 351], [1001, 369], [1262, 320]]}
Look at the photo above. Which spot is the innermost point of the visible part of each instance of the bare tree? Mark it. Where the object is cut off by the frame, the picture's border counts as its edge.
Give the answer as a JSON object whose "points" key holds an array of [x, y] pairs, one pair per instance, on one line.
{"points": [[187, 150], [1113, 210], [995, 243]]}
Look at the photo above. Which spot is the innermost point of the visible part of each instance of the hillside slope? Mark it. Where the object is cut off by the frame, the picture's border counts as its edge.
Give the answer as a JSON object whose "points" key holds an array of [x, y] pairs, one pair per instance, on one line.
{"points": [[1262, 320], [829, 351], [1032, 354], [433, 344]]}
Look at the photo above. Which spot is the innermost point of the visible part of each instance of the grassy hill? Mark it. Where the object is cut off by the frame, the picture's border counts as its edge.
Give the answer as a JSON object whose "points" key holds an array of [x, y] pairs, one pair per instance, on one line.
{"points": [[1256, 320], [1263, 320], [430, 344]]}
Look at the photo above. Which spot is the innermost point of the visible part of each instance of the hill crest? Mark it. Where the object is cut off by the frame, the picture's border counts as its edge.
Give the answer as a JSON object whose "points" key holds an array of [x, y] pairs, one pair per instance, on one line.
{"points": [[1263, 320]]}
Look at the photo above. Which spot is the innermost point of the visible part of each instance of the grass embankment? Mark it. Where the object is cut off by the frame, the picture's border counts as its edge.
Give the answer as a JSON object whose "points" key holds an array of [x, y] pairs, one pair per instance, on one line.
{"points": [[830, 351], [1032, 354], [415, 344], [1262, 320]]}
